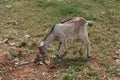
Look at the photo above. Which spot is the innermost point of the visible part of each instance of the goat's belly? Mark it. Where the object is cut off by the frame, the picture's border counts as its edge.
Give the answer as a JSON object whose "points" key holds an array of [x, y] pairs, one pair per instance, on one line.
{"points": [[72, 35]]}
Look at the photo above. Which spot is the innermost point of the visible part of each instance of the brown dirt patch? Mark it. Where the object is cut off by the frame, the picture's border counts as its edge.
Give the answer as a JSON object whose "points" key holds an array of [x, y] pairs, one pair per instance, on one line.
{"points": [[21, 67]]}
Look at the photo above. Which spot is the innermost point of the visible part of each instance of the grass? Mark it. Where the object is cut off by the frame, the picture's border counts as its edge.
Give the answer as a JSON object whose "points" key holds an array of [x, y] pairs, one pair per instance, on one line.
{"points": [[70, 75], [1, 71], [36, 17]]}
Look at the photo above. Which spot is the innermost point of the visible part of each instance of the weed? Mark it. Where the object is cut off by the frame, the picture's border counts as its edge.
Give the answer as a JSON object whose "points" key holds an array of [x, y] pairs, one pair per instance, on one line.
{"points": [[19, 27], [11, 55], [47, 56], [70, 75], [112, 70], [10, 36], [1, 71], [91, 75]]}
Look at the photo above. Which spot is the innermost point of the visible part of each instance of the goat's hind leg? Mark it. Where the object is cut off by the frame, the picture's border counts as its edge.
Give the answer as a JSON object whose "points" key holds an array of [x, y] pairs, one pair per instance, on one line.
{"points": [[65, 46], [88, 48], [57, 53], [87, 43]]}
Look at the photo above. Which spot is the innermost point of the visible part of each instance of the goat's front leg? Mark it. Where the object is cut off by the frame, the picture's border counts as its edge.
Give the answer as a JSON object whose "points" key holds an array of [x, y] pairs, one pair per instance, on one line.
{"points": [[59, 49], [63, 42], [65, 46]]}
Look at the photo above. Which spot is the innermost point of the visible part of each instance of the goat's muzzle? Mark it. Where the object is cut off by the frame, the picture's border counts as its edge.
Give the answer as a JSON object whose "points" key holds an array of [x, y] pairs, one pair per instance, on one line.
{"points": [[42, 50]]}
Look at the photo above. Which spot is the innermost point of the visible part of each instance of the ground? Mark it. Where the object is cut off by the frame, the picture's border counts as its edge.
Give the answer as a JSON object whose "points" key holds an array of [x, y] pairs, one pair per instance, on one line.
{"points": [[18, 68], [24, 23]]}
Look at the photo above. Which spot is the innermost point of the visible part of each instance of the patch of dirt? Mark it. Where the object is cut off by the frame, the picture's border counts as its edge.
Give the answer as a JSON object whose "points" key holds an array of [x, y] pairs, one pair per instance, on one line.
{"points": [[21, 67], [29, 72]]}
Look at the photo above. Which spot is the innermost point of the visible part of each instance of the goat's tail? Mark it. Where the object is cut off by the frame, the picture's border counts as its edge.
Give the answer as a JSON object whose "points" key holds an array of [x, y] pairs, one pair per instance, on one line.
{"points": [[90, 23]]}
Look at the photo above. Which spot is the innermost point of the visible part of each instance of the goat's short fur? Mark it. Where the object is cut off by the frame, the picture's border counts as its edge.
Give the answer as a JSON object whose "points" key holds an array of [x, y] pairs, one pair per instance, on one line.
{"points": [[71, 28]]}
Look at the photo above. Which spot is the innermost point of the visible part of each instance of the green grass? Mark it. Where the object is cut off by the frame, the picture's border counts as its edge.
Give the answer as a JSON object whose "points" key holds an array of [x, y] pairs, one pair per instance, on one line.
{"points": [[69, 75], [1, 71], [36, 18]]}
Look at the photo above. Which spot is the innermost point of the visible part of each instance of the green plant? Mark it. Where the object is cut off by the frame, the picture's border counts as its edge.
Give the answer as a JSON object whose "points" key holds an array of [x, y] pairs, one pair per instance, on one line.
{"points": [[19, 28], [91, 75], [70, 75], [9, 36], [111, 69], [1, 71], [11, 55]]}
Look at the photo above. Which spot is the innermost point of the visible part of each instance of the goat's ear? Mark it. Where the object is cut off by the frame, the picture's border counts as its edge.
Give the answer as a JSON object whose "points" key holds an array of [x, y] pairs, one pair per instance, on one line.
{"points": [[41, 43], [90, 23]]}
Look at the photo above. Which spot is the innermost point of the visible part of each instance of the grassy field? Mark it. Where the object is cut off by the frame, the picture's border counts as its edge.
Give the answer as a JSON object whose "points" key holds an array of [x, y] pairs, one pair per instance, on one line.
{"points": [[35, 18]]}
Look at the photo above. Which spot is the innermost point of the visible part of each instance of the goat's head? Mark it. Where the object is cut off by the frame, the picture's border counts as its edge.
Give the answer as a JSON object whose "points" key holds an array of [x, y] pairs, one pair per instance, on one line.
{"points": [[42, 48]]}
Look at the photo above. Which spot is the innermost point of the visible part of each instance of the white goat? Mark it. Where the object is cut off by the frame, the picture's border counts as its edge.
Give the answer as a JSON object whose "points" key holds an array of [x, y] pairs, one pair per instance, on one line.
{"points": [[73, 27]]}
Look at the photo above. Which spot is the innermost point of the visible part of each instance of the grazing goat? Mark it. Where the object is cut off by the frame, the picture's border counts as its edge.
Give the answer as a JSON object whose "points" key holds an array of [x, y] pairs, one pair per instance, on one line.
{"points": [[73, 27]]}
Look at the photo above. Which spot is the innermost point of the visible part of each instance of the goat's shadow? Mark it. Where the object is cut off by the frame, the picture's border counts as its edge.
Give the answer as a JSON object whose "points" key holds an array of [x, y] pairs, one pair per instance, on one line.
{"points": [[74, 62]]}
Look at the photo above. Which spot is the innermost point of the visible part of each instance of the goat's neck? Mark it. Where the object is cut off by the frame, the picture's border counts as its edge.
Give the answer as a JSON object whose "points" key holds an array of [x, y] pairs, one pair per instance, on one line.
{"points": [[48, 39]]}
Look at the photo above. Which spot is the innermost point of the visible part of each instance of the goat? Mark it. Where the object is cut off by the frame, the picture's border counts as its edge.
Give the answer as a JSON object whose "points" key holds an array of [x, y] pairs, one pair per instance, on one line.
{"points": [[73, 27]]}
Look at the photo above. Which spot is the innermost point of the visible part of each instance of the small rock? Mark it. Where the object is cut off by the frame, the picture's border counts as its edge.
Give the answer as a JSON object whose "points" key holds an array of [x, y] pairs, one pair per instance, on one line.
{"points": [[5, 40], [44, 74], [41, 62], [16, 63], [55, 75], [12, 44], [26, 36], [10, 68], [16, 60], [8, 6], [26, 62], [119, 50], [16, 23]]}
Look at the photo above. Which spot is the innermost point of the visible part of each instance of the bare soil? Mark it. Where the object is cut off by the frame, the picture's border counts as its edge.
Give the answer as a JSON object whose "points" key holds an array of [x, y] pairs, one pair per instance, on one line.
{"points": [[23, 68]]}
